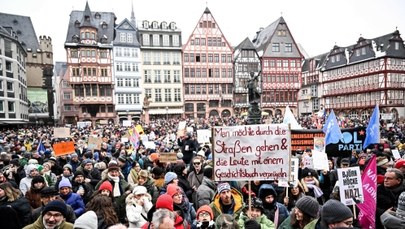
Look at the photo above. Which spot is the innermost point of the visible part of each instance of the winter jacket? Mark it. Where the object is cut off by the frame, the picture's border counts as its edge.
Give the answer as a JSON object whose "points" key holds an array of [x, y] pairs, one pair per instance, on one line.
{"points": [[137, 214], [270, 209], [238, 205], [391, 221], [195, 180], [15, 214], [25, 184], [386, 199], [264, 222], [76, 202], [205, 192]]}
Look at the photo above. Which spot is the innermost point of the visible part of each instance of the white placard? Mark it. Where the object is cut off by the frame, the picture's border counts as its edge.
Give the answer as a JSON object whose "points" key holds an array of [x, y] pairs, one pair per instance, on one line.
{"points": [[293, 175], [307, 161], [396, 154], [203, 136], [350, 185], [258, 152], [124, 139], [61, 132], [126, 123], [149, 145], [320, 160]]}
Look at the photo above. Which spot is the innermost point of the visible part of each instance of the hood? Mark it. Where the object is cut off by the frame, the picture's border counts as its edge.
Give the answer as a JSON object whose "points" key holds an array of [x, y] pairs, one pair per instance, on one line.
{"points": [[265, 190]]}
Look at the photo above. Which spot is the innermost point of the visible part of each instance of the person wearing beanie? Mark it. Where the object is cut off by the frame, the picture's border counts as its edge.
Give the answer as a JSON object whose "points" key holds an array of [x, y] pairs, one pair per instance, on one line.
{"points": [[79, 186], [74, 162], [71, 198], [87, 221], [256, 214], [125, 166], [158, 174], [227, 201], [25, 184], [310, 183], [400, 164], [66, 174], [106, 188], [91, 174], [334, 214], [145, 180], [33, 194], [268, 195], [171, 177], [138, 203], [305, 213], [206, 191], [181, 172], [53, 216], [180, 202], [388, 192], [395, 219], [205, 218], [120, 189]]}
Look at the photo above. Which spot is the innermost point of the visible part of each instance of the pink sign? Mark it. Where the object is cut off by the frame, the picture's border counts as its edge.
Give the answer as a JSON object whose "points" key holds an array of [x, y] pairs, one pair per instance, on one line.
{"points": [[369, 206]]}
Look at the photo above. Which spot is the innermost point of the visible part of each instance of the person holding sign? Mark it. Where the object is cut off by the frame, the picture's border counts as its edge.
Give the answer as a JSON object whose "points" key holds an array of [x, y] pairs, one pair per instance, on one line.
{"points": [[227, 201]]}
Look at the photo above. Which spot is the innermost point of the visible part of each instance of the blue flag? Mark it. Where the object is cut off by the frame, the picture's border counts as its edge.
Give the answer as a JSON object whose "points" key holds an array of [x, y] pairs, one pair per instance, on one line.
{"points": [[332, 130], [40, 148], [373, 129]]}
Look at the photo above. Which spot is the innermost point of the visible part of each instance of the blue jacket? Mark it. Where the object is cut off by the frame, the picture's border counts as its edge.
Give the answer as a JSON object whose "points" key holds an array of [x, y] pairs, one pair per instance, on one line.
{"points": [[76, 202], [270, 209]]}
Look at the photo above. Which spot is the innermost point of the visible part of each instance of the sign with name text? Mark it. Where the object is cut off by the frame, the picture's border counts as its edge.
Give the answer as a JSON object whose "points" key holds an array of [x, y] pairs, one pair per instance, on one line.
{"points": [[259, 152], [350, 185]]}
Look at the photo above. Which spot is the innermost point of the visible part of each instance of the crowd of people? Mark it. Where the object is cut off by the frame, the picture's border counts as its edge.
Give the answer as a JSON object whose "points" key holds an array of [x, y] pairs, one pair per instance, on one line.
{"points": [[120, 184]]}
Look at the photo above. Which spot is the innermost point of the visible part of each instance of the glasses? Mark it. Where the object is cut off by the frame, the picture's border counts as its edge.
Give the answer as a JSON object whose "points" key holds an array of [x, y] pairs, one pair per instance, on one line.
{"points": [[50, 215], [390, 178], [197, 163], [204, 214], [348, 223]]}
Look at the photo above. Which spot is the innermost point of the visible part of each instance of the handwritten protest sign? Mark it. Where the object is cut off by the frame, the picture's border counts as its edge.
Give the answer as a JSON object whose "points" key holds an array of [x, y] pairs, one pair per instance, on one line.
{"points": [[258, 152], [350, 185], [61, 132], [94, 143], [320, 160], [126, 123], [203, 136], [168, 157], [293, 175], [63, 148], [181, 130]]}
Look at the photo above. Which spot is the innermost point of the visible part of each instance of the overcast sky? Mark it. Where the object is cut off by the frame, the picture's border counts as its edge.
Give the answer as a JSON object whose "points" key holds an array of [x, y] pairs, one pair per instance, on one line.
{"points": [[316, 24]]}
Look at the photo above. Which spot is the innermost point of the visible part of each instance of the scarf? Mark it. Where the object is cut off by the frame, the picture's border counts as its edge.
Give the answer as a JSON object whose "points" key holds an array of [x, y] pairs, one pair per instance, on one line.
{"points": [[116, 189], [317, 191]]}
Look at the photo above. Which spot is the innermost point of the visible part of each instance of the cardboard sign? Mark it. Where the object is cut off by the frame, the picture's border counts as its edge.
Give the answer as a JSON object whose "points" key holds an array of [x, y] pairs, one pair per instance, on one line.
{"points": [[94, 143], [350, 185], [260, 152], [203, 136], [320, 160], [63, 148], [61, 132], [168, 157]]}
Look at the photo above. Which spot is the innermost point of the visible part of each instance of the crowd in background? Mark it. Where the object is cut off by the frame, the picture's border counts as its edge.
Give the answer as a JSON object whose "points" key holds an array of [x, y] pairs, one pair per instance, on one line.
{"points": [[121, 185]]}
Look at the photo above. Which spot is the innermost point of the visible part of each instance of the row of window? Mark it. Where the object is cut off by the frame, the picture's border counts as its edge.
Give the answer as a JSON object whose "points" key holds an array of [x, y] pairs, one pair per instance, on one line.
{"points": [[202, 58], [10, 106], [281, 63], [87, 71], [92, 90], [279, 96], [210, 72], [126, 52], [168, 96], [275, 47], [157, 76], [369, 96], [126, 37], [166, 58], [126, 67], [212, 89], [209, 41], [337, 73], [127, 82], [280, 79], [353, 83], [128, 99], [88, 53], [165, 40]]}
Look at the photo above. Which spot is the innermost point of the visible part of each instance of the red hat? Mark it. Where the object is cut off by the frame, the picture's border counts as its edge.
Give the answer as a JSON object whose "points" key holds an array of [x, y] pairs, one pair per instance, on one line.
{"points": [[205, 208], [400, 163], [380, 179], [165, 201], [172, 189], [106, 185], [154, 156]]}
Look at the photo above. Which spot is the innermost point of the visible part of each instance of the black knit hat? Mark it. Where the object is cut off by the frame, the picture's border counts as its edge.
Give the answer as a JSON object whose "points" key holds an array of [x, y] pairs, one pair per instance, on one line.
{"points": [[308, 205], [252, 224], [37, 179], [78, 173], [208, 171], [55, 205], [49, 191], [334, 211]]}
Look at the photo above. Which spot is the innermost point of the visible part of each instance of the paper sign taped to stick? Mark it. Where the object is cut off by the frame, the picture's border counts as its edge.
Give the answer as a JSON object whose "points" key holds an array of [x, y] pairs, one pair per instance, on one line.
{"points": [[293, 181], [258, 152], [61, 132], [63, 148], [350, 185]]}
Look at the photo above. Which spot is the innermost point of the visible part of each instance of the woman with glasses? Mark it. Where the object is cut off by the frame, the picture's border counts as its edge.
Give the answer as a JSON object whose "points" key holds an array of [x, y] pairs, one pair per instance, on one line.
{"points": [[195, 178], [138, 205], [205, 218]]}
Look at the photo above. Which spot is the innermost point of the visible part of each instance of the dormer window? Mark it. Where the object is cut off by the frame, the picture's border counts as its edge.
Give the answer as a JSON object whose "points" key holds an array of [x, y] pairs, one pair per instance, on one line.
{"points": [[87, 18], [75, 38], [145, 24], [97, 15], [164, 25], [172, 25], [104, 25], [77, 24], [396, 45], [104, 39], [155, 25]]}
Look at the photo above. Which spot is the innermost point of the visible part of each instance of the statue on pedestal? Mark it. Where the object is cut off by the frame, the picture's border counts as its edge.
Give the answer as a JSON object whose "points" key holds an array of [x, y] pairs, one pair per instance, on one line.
{"points": [[254, 94]]}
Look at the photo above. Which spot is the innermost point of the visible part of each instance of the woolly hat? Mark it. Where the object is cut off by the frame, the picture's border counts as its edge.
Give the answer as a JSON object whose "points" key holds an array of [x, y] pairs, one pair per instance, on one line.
{"points": [[144, 174], [29, 168], [334, 211], [78, 173], [64, 183], [172, 189], [158, 171], [113, 165], [308, 172], [255, 203], [223, 186], [164, 201], [55, 205], [401, 205], [400, 163], [139, 190], [87, 221], [308, 205], [49, 191], [37, 179], [154, 156], [68, 166], [252, 224], [106, 185], [205, 208], [122, 159], [87, 161], [169, 177]]}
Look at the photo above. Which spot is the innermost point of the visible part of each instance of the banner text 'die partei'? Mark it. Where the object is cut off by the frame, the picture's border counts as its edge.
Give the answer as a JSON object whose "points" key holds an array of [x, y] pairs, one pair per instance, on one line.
{"points": [[260, 152]]}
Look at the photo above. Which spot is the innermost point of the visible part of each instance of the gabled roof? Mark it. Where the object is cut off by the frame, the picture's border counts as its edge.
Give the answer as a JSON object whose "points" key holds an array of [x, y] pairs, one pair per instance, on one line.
{"points": [[320, 61], [263, 37], [87, 20], [22, 25], [107, 18], [246, 45], [129, 26]]}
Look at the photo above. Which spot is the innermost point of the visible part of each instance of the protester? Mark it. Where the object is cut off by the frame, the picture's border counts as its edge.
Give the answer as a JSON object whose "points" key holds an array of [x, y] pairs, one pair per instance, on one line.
{"points": [[227, 201], [205, 218], [305, 211], [15, 209], [73, 199], [86, 221], [334, 214], [275, 211], [53, 216], [104, 209], [33, 194], [137, 206], [395, 218], [256, 213]]}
